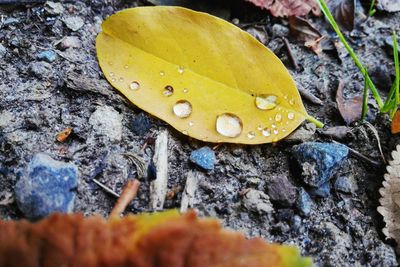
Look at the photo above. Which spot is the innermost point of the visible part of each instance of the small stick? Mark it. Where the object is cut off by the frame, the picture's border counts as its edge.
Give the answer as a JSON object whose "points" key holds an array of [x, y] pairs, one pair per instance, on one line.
{"points": [[158, 187], [189, 192], [361, 156], [128, 194], [309, 96], [290, 53], [106, 188]]}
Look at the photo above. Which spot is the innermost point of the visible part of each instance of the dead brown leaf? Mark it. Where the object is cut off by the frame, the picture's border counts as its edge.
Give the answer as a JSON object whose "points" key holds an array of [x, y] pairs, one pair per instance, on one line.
{"points": [[350, 109], [344, 13], [396, 123], [287, 8], [306, 32]]}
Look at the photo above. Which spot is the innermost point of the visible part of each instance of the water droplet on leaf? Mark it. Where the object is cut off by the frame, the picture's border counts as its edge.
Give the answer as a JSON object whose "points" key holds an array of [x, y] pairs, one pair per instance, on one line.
{"points": [[251, 135], [191, 123], [168, 90], [229, 125], [182, 109], [290, 116], [266, 102], [278, 117], [185, 90], [266, 132], [134, 85], [276, 131], [162, 73], [181, 69]]}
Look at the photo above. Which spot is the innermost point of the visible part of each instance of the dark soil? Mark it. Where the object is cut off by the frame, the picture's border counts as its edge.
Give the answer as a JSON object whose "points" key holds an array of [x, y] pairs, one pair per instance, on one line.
{"points": [[39, 99]]}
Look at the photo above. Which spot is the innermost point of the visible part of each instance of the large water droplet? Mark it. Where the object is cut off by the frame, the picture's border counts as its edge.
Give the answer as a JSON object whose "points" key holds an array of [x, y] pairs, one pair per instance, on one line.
{"points": [[134, 85], [251, 135], [266, 132], [229, 125], [278, 117], [182, 109], [290, 115], [181, 69], [266, 102], [168, 90]]}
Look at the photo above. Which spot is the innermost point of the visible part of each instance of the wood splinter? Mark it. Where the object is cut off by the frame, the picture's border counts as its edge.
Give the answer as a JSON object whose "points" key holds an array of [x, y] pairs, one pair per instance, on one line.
{"points": [[128, 194]]}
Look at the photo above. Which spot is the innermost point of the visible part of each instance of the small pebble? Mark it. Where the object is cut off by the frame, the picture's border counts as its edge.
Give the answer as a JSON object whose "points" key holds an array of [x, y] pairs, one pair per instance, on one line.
{"points": [[203, 157], [53, 8], [281, 190], [257, 201], [3, 51], [46, 187], [73, 23], [323, 191], [304, 203], [106, 121], [70, 42], [318, 161], [278, 30], [48, 56], [345, 184], [40, 69], [10, 21], [140, 125]]}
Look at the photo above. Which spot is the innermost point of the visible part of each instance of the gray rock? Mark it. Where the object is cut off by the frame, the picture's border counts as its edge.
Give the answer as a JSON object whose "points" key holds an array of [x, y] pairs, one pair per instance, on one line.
{"points": [[53, 8], [257, 201], [345, 184], [73, 23], [281, 190], [10, 21], [3, 51], [323, 191], [203, 157], [107, 121], [70, 42], [40, 69], [302, 134], [318, 161], [46, 187], [278, 30], [48, 56], [304, 203]]}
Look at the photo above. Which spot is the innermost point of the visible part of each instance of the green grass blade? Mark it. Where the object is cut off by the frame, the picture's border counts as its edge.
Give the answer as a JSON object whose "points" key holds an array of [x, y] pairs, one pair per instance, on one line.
{"points": [[372, 9], [351, 52], [365, 101]]}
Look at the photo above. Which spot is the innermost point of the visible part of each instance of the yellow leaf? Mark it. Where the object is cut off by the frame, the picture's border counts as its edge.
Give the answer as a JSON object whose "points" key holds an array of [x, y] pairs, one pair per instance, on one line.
{"points": [[202, 75]]}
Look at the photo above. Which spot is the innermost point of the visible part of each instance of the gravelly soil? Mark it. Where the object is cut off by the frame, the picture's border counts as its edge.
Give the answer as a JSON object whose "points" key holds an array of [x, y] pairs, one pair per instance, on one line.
{"points": [[39, 99]]}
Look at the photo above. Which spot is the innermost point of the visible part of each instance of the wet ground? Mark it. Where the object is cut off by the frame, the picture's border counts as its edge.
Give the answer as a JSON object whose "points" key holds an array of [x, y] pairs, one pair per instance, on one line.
{"points": [[38, 99]]}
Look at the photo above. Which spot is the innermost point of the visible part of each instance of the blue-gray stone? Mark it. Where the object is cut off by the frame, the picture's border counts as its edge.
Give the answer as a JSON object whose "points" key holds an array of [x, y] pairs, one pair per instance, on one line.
{"points": [[344, 184], [304, 203], [323, 191], [46, 187], [140, 125], [318, 161], [48, 56], [203, 157]]}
